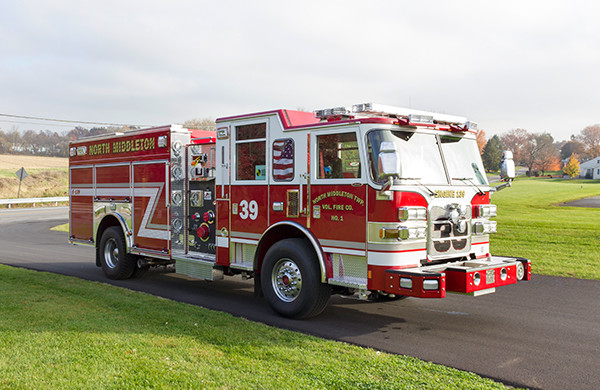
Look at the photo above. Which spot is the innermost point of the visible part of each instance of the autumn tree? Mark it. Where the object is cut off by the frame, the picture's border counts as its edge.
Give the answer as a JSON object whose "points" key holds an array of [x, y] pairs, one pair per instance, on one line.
{"points": [[515, 141], [492, 154], [481, 140], [548, 160], [572, 167]]}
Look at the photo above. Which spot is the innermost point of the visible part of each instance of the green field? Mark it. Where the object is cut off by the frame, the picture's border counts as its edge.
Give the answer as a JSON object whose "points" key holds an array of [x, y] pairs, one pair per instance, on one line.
{"points": [[59, 332], [562, 241]]}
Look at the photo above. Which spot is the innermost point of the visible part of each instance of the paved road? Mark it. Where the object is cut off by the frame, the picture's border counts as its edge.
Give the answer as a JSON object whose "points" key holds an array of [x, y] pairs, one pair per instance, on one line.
{"points": [[593, 202], [540, 334]]}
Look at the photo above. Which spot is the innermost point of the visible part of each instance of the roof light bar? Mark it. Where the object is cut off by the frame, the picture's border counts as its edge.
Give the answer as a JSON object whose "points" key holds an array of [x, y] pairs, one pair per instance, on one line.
{"points": [[421, 119], [335, 111], [414, 116], [372, 108]]}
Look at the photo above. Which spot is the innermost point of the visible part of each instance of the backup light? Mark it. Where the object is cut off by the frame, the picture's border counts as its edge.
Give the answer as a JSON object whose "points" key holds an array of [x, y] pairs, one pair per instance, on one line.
{"points": [[476, 279], [406, 283], [431, 284]]}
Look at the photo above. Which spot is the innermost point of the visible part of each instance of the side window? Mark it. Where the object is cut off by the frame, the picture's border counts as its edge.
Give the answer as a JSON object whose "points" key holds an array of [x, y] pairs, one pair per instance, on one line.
{"points": [[250, 147], [283, 159], [338, 156]]}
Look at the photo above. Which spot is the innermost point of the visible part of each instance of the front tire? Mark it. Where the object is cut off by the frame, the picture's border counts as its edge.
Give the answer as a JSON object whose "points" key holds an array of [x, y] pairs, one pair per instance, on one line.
{"points": [[291, 280], [114, 259]]}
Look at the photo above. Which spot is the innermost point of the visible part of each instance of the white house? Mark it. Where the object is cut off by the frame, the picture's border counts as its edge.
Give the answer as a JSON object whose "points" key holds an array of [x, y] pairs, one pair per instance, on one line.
{"points": [[590, 169]]}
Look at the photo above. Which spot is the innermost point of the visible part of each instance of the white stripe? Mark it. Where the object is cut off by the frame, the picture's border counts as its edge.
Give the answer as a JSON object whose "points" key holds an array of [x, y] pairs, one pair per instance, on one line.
{"points": [[153, 194], [244, 241], [395, 259], [343, 251]]}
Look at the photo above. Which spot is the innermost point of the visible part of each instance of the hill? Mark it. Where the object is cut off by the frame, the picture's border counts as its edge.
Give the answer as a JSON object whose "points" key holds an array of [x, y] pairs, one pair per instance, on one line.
{"points": [[47, 176]]}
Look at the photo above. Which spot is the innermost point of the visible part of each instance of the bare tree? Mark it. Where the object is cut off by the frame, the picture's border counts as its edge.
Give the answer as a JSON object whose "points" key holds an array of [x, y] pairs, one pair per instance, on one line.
{"points": [[590, 137], [539, 148], [201, 124], [516, 140], [570, 147]]}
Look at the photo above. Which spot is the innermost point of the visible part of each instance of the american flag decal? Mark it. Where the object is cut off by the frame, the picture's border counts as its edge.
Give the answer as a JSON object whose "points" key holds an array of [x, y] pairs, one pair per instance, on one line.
{"points": [[283, 159]]}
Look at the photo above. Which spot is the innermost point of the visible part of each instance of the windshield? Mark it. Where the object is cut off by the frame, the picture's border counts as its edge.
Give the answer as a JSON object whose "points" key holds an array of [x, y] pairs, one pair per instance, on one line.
{"points": [[463, 160], [420, 158], [418, 154]]}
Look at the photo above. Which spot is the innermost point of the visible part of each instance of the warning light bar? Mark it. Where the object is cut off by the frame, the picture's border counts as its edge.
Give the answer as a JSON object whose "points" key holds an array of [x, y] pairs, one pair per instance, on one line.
{"points": [[413, 116]]}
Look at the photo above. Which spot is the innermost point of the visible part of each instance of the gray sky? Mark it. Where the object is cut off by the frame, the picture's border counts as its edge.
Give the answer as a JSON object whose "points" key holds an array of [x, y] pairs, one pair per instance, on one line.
{"points": [[505, 65]]}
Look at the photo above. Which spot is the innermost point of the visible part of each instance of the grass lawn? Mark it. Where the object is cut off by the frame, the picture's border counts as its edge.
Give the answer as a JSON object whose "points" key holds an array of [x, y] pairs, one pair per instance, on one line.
{"points": [[562, 241], [59, 332]]}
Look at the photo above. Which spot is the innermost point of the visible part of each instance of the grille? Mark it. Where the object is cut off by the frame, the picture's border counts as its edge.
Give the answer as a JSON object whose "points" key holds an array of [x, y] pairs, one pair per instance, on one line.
{"points": [[293, 203], [449, 230]]}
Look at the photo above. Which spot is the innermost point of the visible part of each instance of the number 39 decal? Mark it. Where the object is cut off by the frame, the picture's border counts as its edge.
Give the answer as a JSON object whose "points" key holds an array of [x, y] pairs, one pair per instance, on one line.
{"points": [[248, 209]]}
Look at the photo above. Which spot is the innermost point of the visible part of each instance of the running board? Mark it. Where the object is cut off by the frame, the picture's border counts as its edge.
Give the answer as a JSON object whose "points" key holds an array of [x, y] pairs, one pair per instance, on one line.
{"points": [[199, 266]]}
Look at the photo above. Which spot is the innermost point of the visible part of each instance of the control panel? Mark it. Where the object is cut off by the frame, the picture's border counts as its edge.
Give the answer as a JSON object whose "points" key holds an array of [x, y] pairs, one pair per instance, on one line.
{"points": [[201, 196]]}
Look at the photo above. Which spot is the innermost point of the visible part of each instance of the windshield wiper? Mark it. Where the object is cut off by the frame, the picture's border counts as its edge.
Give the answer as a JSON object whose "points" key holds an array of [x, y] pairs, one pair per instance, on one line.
{"points": [[418, 182], [470, 180]]}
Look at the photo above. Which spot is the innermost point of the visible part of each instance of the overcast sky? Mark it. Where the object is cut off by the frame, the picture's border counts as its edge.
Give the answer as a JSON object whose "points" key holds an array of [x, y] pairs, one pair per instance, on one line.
{"points": [[507, 64]]}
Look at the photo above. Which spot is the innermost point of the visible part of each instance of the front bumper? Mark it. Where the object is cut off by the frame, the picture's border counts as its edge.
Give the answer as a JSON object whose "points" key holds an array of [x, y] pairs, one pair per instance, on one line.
{"points": [[474, 277]]}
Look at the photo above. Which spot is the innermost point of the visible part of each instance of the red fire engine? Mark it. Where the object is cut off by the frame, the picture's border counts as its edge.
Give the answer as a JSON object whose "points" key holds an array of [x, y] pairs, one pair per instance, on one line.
{"points": [[376, 201]]}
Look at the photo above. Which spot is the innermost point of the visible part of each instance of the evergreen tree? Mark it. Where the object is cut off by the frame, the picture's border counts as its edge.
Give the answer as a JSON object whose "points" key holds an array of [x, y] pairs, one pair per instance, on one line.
{"points": [[492, 154]]}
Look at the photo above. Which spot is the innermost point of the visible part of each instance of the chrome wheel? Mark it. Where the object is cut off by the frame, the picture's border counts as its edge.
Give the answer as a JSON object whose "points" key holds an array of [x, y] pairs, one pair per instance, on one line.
{"points": [[286, 280], [111, 253]]}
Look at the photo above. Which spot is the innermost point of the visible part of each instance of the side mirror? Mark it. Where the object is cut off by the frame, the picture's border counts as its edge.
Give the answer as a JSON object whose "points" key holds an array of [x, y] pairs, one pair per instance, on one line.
{"points": [[507, 170], [388, 163]]}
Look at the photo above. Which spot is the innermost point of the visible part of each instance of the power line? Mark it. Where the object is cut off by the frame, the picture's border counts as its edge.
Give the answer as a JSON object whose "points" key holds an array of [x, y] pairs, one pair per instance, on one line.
{"points": [[71, 121], [33, 123]]}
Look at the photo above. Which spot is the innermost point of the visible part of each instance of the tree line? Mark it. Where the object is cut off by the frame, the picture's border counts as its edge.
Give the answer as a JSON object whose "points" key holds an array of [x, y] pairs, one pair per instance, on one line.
{"points": [[46, 142], [539, 152], [54, 144]]}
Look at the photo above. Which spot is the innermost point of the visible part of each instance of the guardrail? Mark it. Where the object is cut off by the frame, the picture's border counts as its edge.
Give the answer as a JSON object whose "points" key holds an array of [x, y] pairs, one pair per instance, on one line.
{"points": [[33, 201]]}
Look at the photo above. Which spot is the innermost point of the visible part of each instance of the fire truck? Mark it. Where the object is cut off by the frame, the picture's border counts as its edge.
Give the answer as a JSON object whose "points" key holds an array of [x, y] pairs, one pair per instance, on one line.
{"points": [[374, 201]]}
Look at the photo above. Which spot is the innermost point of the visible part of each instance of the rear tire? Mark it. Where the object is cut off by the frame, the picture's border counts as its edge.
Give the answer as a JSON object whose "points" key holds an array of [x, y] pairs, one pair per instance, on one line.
{"points": [[114, 259], [291, 280]]}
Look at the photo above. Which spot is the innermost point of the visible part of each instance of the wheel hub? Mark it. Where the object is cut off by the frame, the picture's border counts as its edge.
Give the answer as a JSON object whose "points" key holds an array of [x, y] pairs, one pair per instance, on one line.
{"points": [[111, 253], [286, 280]]}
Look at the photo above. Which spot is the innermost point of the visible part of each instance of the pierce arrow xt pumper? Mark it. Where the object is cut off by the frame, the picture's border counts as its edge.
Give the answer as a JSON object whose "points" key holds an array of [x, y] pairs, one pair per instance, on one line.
{"points": [[374, 201]]}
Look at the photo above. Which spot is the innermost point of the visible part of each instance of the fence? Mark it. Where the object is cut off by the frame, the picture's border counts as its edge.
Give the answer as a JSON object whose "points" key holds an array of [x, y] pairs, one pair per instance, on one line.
{"points": [[33, 201]]}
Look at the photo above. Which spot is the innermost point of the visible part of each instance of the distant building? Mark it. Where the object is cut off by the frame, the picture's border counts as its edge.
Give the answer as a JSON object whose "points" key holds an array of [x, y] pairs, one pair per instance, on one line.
{"points": [[590, 169]]}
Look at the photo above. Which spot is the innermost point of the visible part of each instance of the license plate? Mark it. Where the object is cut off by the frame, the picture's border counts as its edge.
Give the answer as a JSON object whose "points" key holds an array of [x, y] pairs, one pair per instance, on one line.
{"points": [[490, 276]]}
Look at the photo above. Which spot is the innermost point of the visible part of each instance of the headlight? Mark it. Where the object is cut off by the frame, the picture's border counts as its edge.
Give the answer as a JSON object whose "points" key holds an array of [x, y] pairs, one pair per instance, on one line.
{"points": [[412, 214], [476, 278], [485, 211]]}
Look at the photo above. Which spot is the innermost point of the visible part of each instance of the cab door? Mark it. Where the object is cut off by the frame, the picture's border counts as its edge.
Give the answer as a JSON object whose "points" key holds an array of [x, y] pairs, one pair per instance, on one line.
{"points": [[338, 190]]}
